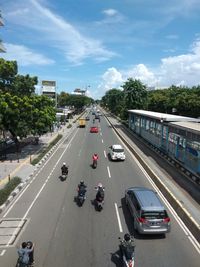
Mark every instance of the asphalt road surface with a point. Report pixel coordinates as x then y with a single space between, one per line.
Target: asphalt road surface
67 235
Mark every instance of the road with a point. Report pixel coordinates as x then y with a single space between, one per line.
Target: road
67 235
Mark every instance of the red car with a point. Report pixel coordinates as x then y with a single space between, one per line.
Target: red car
94 129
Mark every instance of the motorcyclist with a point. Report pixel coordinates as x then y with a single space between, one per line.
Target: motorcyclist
100 192
127 244
95 158
64 169
82 187
25 253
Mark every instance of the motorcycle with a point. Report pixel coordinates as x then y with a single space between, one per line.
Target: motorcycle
99 204
128 255
81 197
94 165
99 201
64 175
20 263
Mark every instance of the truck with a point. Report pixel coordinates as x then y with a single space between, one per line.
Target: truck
82 122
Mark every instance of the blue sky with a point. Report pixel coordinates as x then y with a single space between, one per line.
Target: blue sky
98 44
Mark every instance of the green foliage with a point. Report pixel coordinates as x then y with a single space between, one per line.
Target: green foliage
135 94
46 149
184 100
8 71
24 115
24 85
114 100
21 111
77 101
63 99
8 188
13 83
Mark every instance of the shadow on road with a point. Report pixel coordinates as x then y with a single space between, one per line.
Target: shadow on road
116 259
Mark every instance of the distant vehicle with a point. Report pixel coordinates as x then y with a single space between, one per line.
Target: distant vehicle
82 122
96 116
87 118
117 152
94 129
149 214
93 112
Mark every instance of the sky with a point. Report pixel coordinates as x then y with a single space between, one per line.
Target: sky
96 45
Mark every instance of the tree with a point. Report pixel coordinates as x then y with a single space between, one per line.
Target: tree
14 83
24 85
135 95
113 99
8 71
26 115
63 98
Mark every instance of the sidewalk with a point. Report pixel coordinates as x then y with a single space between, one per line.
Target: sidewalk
22 166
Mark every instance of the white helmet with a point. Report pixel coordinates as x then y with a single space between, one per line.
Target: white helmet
100 185
64 163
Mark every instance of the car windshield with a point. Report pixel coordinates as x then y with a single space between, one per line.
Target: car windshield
118 150
154 214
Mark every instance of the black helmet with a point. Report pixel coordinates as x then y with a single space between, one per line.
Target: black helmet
81 182
127 237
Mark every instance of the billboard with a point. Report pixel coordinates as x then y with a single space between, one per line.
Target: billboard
48 87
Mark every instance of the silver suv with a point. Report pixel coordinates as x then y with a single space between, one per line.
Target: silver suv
150 216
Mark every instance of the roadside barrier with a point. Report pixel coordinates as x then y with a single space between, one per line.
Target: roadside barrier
185 216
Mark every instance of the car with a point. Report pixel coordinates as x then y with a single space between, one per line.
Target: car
94 129
148 212
117 152
87 118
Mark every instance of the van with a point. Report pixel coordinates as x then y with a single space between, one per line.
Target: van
82 122
149 214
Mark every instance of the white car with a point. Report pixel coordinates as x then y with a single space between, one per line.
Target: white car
117 152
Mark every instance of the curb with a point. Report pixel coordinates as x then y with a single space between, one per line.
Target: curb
185 216
23 184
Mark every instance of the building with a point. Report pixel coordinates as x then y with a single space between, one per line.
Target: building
78 91
2 48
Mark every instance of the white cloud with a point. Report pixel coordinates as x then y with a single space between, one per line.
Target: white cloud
25 56
110 12
177 70
55 32
141 72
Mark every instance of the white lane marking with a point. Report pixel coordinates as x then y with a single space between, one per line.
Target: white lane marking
37 174
102 140
118 218
105 154
101 133
108 169
187 232
41 189
177 218
27 186
3 252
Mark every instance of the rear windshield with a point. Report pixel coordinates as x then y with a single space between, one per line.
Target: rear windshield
154 214
118 150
